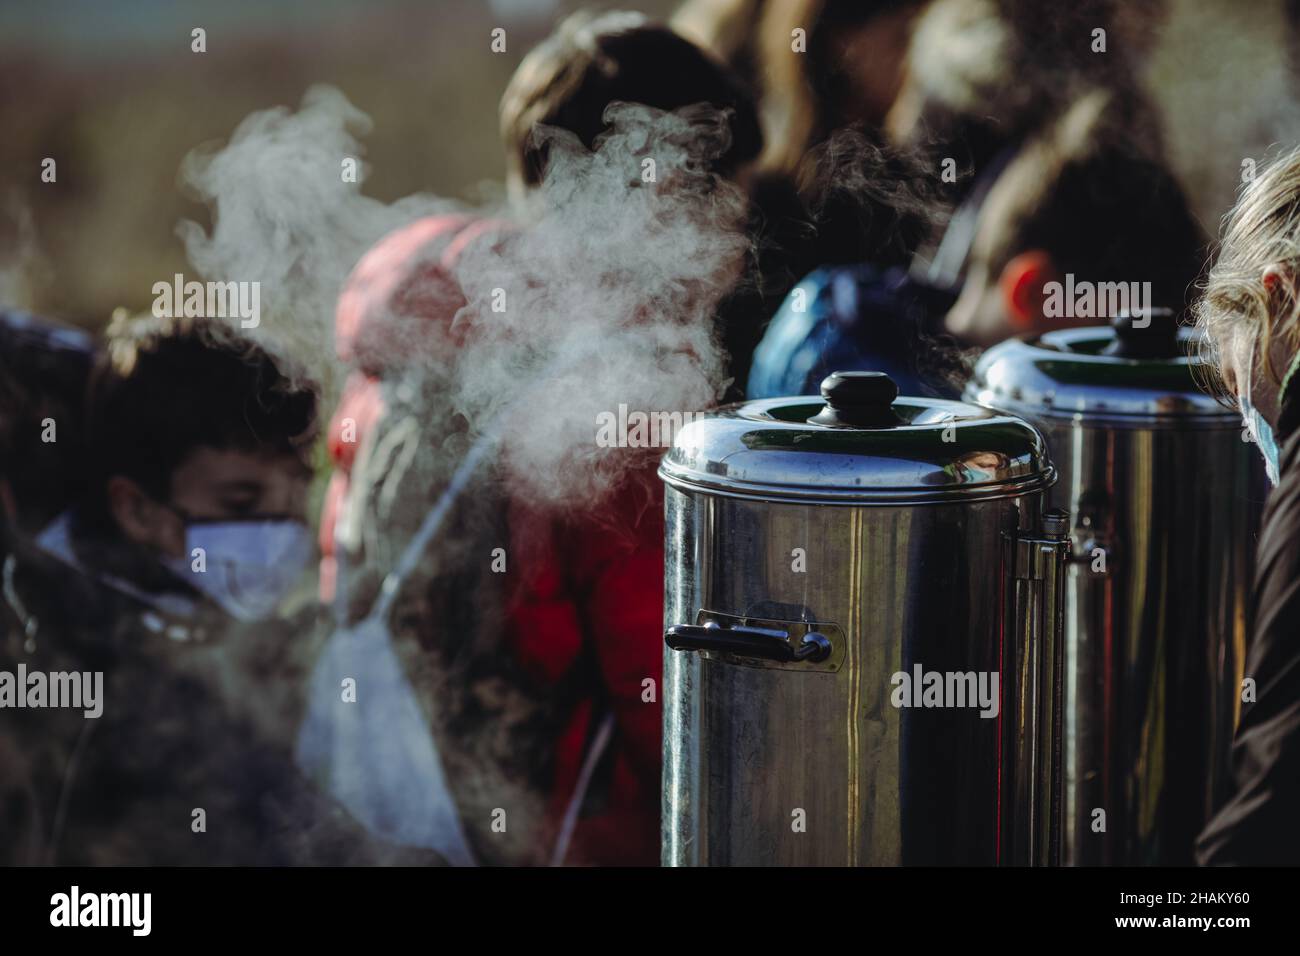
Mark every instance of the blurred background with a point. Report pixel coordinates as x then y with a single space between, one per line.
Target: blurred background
113 92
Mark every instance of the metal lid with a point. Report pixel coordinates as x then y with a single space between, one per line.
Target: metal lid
863 445
1120 375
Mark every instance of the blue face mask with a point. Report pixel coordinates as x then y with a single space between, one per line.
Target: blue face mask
1260 430
246 567
1262 434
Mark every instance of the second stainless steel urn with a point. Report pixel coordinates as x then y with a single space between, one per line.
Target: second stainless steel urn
862 625
1164 499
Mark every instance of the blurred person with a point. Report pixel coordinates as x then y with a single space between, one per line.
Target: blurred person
190 533
848 72
540 694
815 65
1074 207
198 440
592 60
1250 314
1077 202
987 86
828 189
984 75
726 29
44 367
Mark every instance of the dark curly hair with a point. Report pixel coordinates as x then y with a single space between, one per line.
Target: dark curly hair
166 386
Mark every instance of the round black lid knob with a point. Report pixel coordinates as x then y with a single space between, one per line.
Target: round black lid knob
858 400
1150 333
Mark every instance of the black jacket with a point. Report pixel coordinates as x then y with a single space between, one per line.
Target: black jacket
195 716
1260 822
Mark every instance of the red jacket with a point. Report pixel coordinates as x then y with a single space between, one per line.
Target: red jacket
593 583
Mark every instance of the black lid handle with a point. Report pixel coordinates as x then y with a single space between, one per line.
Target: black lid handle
858 400
1150 333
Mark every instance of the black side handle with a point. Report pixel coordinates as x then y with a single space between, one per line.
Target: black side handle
757 642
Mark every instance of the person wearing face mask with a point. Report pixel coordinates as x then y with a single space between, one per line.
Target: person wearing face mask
166 579
198 443
1250 313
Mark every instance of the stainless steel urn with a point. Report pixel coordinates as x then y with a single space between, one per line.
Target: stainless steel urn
861 662
1164 498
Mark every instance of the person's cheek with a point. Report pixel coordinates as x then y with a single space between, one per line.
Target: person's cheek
1238 351
301 493
285 496
170 534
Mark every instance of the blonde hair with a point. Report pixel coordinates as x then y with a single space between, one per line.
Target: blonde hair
789 105
723 27
754 37
961 53
1237 309
759 31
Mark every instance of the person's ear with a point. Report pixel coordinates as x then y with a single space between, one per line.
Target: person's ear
1021 284
142 520
1278 279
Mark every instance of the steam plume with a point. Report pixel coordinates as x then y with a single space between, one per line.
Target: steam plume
609 283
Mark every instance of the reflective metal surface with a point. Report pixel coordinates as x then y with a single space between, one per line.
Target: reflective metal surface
771 757
1033 667
1155 643
1067 372
1165 500
939 451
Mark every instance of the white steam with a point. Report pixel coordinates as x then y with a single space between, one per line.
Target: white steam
24 268
610 293
602 293
285 215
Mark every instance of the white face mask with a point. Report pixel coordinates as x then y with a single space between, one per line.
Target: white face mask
246 567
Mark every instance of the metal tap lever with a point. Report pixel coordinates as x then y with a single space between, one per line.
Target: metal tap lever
760 642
